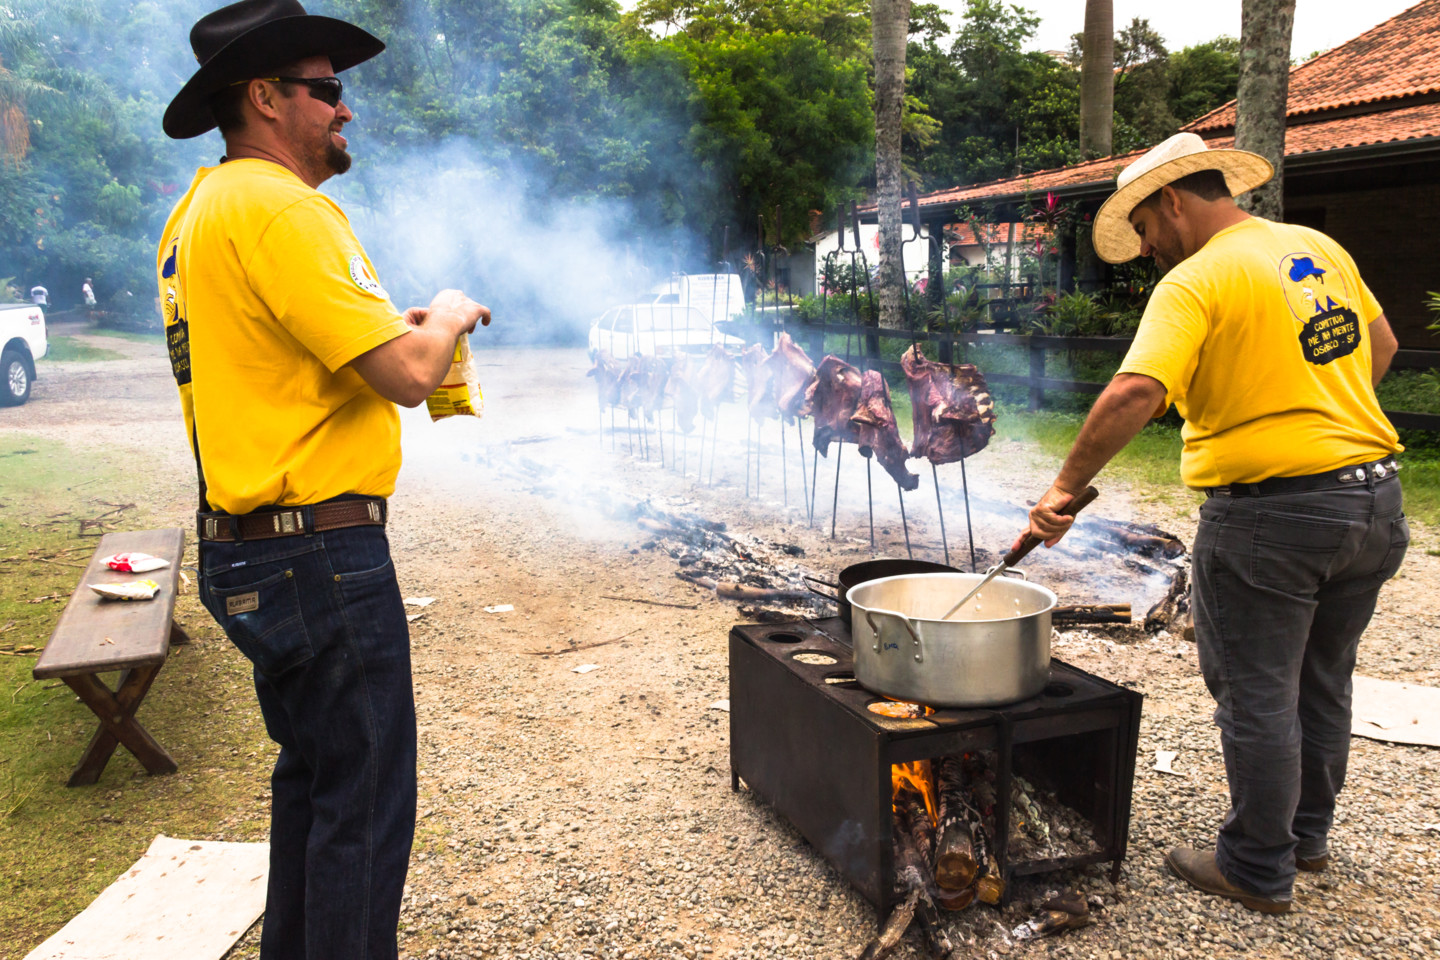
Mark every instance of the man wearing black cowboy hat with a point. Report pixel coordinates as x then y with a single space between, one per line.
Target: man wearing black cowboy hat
290 359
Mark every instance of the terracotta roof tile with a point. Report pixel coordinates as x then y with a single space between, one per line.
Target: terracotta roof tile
1403 123
1398 58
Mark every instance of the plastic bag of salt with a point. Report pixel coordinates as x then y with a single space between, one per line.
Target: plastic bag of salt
459 395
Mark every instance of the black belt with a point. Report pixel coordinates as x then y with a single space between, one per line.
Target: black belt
1382 469
292 521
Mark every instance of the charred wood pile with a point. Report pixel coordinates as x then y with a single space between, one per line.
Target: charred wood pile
944 820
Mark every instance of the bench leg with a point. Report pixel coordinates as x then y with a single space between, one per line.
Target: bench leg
116 712
178 636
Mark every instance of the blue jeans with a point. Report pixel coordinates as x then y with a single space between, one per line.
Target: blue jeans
1283 588
321 619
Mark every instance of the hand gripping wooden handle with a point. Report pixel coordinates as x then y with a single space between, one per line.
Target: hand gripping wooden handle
1086 497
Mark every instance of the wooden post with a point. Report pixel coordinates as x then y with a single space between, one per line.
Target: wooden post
1037 373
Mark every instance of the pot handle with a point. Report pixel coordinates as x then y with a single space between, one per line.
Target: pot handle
823 583
1014 572
909 628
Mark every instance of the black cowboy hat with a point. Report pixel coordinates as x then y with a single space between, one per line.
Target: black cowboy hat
245 39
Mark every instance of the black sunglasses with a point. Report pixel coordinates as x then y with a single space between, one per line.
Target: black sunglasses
327 90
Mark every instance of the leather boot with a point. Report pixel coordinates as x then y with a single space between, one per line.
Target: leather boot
1198 868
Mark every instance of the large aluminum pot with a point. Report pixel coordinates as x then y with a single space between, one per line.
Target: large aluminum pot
995 651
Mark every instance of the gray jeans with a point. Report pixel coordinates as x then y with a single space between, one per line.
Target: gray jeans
1283 587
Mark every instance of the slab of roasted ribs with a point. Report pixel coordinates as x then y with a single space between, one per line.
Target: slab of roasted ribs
631 386
792 374
654 372
759 383
832 399
715 382
607 371
876 432
680 388
953 411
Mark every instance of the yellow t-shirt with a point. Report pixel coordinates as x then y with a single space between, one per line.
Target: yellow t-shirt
1260 339
267 296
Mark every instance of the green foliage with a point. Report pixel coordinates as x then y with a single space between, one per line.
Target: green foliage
1432 303
1413 391
1000 107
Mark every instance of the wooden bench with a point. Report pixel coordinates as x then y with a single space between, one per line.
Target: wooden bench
96 636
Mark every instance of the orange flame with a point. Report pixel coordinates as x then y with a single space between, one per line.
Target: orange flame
918 778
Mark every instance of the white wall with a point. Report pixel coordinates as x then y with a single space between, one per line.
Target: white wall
916 253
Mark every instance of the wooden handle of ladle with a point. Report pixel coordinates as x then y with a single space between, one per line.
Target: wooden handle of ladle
1086 497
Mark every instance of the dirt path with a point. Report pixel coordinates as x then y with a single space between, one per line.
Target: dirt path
590 815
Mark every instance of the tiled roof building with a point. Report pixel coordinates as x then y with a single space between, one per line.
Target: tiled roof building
1362 162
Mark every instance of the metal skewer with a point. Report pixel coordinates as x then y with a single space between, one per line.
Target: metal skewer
941 508
835 503
804 479
1030 542
870 501
904 522
969 530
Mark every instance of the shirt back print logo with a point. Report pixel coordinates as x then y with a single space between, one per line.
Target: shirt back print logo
364 279
1319 299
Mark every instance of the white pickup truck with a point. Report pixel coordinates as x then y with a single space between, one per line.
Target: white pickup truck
22 342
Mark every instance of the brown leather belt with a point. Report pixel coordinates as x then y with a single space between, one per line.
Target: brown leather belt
292 521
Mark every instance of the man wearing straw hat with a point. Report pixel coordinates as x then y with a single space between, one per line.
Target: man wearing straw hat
1269 344
290 358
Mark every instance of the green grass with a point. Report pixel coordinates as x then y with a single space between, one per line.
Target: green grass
63 846
131 335
70 350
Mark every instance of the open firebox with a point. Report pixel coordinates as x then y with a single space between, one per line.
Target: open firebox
1047 782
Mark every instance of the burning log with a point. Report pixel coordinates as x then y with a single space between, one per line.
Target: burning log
792 374
742 593
1145 539
715 381
1091 613
953 411
759 383
914 844
895 927
876 431
955 865
1175 604
833 398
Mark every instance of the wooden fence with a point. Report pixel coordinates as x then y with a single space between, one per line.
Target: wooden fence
867 338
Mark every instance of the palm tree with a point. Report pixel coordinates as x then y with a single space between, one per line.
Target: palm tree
1260 99
890 31
1097 79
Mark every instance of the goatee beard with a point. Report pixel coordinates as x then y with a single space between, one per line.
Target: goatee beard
336 159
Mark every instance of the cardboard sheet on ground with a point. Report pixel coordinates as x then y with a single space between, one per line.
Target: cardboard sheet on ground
183 900
1395 712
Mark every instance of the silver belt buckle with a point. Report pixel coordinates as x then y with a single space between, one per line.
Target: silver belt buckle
374 510
212 528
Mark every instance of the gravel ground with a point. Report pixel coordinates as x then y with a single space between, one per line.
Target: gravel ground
569 815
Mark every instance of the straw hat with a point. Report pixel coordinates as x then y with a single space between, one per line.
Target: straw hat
1183 154
247 38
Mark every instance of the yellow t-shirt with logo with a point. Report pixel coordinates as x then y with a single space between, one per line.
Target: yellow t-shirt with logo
267 295
1261 342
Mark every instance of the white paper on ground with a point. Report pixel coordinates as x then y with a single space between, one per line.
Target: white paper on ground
183 900
721 705
586 668
1163 760
500 608
1395 712
419 601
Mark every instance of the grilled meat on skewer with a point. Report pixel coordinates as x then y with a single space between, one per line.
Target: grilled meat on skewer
832 399
793 373
680 388
953 411
607 371
631 386
759 383
654 372
876 432
715 382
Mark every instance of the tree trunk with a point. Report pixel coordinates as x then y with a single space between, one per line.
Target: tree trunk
1265 27
890 28
1097 79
